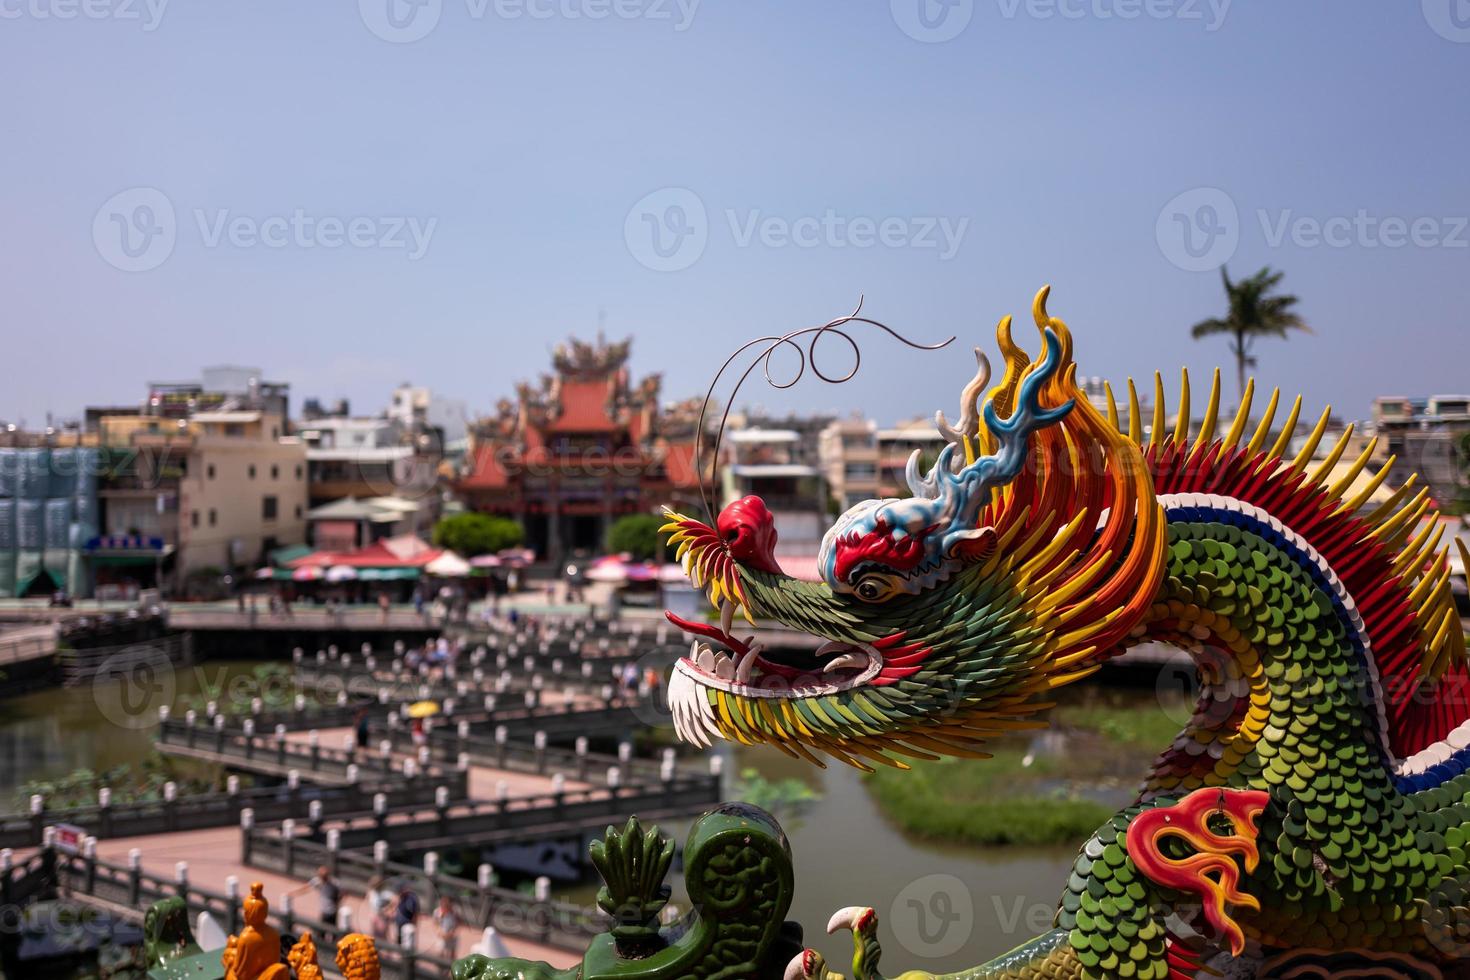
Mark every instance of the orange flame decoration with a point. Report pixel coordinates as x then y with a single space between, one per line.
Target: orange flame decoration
1188 819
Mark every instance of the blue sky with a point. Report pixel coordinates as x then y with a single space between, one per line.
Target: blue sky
352 208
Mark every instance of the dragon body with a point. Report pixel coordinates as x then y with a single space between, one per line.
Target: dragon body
1312 820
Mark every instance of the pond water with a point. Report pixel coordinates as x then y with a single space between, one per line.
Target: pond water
49 733
941 907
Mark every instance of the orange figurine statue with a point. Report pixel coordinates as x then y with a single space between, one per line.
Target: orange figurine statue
256 953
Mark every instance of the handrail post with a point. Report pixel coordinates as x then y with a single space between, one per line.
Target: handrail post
170 806
104 812
135 877
232 899
89 854
484 875
406 940
38 818
288 845
380 858
247 834
539 742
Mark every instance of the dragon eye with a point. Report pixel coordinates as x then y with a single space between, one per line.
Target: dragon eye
873 588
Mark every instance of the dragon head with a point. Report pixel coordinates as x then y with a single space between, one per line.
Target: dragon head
945 617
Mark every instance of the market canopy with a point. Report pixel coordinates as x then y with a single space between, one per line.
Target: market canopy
448 565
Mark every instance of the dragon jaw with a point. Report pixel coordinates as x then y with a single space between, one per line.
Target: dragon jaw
925 674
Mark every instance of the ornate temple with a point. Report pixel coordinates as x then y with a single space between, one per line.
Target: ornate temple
580 447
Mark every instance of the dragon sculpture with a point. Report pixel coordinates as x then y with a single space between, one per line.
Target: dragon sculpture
1311 821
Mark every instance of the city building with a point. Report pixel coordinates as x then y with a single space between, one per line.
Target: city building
848 449
1430 436
201 480
580 447
779 460
394 456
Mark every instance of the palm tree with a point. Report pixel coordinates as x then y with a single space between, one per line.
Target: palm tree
1253 312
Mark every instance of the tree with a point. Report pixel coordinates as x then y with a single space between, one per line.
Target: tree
477 534
638 535
1252 313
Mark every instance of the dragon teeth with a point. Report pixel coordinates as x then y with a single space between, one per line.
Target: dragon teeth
724 667
744 667
727 616
857 659
706 660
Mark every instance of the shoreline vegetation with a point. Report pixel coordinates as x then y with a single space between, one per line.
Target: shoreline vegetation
1052 786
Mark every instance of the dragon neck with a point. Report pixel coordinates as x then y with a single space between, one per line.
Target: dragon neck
1278 651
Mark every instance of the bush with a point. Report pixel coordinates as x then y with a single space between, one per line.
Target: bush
638 535
477 534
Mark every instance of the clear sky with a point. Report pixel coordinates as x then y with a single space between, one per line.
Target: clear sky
353 194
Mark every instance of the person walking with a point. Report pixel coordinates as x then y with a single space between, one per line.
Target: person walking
446 923
329 897
405 911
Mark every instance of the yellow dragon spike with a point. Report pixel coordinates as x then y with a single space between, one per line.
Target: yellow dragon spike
1135 415
1211 417
1242 414
1156 436
1181 419
1264 429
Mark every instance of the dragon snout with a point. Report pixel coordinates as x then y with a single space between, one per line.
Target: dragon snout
749 533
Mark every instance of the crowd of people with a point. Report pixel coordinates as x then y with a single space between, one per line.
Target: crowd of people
391 907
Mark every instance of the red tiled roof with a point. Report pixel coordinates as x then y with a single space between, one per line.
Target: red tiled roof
679 465
485 472
584 407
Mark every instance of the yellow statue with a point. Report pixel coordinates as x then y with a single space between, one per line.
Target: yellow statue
302 958
256 953
357 957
